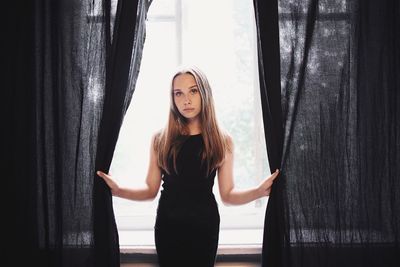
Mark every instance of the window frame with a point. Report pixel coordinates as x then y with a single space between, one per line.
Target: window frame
144 223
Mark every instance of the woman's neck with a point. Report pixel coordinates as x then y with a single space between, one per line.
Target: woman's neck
194 127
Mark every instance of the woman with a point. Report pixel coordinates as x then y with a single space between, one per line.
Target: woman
186 155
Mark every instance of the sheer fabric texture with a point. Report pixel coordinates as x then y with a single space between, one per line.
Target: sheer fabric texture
337 202
73 71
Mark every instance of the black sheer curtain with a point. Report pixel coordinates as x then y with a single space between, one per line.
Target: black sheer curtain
337 201
72 72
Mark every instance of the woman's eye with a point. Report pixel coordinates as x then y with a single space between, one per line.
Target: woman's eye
194 91
178 93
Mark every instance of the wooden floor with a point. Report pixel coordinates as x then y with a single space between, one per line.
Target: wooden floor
222 264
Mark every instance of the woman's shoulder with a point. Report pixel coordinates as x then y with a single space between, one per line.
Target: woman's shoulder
155 138
227 137
156 135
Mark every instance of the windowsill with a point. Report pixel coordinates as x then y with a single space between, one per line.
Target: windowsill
235 245
228 238
225 253
222 250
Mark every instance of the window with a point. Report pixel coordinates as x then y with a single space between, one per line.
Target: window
219 37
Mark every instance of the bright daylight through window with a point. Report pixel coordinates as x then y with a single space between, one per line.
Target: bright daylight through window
219 37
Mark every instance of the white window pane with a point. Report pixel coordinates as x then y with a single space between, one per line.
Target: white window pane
162 8
146 114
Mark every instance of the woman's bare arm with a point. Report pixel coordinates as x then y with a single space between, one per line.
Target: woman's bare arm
148 191
232 196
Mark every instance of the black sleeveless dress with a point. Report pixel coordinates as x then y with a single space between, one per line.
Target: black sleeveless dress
187 222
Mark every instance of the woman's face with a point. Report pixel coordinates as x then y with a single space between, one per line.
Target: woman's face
187 96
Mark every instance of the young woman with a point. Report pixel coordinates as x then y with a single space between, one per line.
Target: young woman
186 156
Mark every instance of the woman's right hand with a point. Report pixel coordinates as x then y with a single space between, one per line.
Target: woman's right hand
112 184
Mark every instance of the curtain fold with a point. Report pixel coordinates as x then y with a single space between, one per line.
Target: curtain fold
72 69
338 196
122 69
266 16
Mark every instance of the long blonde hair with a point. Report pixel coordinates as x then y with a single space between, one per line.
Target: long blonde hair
168 141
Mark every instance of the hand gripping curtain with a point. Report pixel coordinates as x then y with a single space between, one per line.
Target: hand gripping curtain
73 66
330 88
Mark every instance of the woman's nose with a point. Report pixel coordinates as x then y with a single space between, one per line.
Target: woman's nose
187 99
